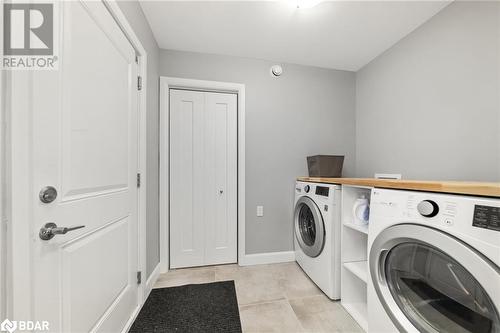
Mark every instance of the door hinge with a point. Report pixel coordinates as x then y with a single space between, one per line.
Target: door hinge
139 277
139 83
138 180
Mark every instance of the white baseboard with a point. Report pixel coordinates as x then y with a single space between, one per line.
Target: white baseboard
131 320
267 258
151 281
147 290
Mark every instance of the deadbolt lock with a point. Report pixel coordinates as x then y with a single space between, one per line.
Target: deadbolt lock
48 194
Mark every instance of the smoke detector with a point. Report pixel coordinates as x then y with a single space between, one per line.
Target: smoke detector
304 4
276 70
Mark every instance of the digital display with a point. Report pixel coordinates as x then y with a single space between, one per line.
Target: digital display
486 217
321 190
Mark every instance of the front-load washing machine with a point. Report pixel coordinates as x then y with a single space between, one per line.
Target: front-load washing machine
433 263
317 234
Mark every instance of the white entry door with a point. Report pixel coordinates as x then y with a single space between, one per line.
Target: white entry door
203 178
83 143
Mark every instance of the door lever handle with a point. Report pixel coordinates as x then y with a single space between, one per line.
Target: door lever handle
49 230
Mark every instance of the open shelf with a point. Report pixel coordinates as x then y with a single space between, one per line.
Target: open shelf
357 227
358 268
354 256
359 312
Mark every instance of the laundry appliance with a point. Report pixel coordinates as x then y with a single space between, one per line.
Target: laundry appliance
317 234
433 263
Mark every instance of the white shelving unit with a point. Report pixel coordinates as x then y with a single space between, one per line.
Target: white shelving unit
358 268
357 227
354 254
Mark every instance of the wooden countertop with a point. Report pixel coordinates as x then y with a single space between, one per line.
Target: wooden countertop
467 188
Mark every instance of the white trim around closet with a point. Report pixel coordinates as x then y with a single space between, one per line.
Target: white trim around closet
167 83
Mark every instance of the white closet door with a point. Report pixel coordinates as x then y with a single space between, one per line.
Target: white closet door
187 244
203 178
221 176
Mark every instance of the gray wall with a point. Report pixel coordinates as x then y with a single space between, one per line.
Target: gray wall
137 20
429 106
304 112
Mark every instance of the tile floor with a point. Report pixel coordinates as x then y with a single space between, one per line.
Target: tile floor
272 298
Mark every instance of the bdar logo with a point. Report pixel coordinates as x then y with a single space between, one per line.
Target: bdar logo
23 325
8 326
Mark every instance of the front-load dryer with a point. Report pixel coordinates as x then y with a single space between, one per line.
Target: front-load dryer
317 234
433 262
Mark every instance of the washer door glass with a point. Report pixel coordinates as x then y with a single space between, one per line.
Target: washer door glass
436 293
309 227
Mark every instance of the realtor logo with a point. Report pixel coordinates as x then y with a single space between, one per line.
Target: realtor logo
29 29
28 36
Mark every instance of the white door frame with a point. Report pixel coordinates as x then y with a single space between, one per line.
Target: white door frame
20 185
3 187
112 5
167 83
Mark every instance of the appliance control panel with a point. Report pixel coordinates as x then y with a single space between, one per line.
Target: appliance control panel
440 210
475 220
322 190
323 193
429 207
487 217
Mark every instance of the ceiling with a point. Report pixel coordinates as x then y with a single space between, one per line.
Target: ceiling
337 34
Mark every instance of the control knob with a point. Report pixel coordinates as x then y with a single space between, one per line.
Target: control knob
428 208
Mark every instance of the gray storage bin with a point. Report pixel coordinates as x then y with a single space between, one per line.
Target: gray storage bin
325 166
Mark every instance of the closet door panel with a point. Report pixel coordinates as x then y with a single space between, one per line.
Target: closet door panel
203 178
221 190
187 201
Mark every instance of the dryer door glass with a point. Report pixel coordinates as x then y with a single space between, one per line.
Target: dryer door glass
309 227
436 293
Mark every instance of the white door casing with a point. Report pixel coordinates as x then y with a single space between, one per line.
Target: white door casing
84 142
203 176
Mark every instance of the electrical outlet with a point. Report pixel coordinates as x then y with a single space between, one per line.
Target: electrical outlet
260 211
